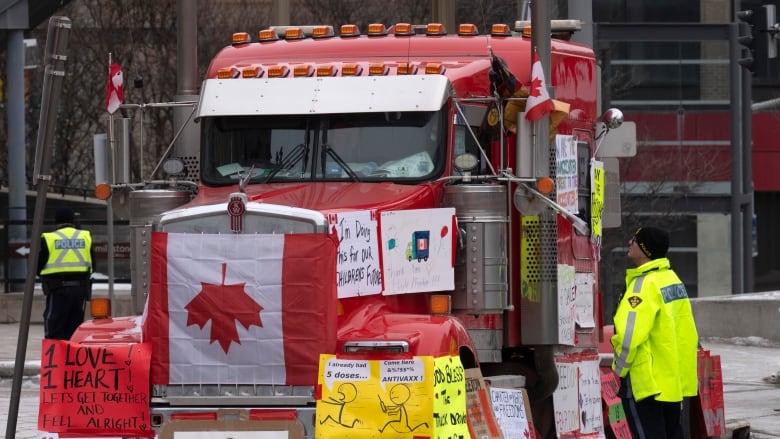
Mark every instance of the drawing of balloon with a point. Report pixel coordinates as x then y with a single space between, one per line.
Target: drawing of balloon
391 244
442 234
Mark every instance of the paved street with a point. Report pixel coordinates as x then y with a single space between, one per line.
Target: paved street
748 365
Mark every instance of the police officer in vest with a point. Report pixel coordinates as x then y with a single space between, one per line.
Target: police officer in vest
655 340
65 266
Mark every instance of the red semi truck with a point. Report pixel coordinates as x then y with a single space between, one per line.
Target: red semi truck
319 147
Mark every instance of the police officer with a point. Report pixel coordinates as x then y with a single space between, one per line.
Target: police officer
65 267
655 340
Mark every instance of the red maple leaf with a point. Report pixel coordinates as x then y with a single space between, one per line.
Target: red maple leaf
223 305
536 83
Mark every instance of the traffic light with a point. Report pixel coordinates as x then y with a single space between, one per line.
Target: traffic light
757 30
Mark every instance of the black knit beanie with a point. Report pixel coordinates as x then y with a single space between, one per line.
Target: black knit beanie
653 241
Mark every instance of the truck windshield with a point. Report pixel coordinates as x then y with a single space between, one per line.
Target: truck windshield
397 146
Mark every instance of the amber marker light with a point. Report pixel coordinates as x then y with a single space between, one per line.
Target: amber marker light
227 73
293 33
321 32
545 185
376 29
252 72
240 38
434 68
377 69
440 304
403 29
100 308
267 35
349 30
500 30
277 71
406 68
103 191
467 29
351 69
435 29
303 70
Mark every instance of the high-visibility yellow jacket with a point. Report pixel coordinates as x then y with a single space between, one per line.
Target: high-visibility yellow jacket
69 251
655 339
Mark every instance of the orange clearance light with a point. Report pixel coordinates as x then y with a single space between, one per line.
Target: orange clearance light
227 73
349 30
321 32
293 33
403 29
240 38
467 29
303 70
440 304
435 29
434 68
103 191
100 308
376 29
526 31
267 35
277 71
377 69
252 72
500 30
545 185
326 70
406 68
351 69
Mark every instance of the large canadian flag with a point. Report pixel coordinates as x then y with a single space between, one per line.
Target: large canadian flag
238 309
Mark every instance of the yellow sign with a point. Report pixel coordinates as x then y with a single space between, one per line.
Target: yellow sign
597 198
391 398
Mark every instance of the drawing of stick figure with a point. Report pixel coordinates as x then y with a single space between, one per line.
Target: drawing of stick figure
347 393
399 395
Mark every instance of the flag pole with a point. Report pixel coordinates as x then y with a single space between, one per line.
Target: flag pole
109 200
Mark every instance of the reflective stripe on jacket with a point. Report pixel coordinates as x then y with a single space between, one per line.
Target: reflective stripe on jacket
69 251
655 339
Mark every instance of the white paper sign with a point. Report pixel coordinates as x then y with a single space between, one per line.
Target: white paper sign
584 300
358 272
565 398
566 300
509 408
566 172
417 250
590 395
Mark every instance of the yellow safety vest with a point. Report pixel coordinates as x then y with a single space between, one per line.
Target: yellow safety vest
655 339
69 251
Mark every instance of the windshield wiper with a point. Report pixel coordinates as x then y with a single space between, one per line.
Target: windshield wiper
329 151
298 152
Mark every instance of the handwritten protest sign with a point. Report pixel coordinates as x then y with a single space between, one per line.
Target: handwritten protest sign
617 416
482 421
511 412
566 304
590 396
583 303
95 390
565 397
566 177
394 397
417 250
358 272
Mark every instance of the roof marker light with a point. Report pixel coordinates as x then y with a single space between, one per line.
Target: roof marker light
351 69
293 33
303 70
403 29
227 73
434 68
349 30
405 68
278 71
240 38
376 30
326 70
465 29
322 31
500 30
267 35
252 72
435 29
377 69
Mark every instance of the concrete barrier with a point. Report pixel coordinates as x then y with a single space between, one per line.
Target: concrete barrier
741 316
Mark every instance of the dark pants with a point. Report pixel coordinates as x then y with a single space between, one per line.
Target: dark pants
651 419
64 311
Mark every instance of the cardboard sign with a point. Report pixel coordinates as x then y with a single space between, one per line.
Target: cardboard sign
358 272
482 421
711 393
511 409
610 385
95 390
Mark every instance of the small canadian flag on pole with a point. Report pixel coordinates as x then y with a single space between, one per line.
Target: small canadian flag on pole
115 88
539 102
